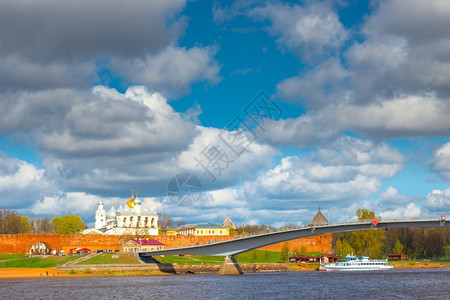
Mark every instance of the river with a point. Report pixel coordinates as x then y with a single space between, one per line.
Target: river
397 283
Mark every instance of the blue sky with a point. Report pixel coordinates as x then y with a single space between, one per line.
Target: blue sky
354 94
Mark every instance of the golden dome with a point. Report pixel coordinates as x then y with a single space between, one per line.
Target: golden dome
130 202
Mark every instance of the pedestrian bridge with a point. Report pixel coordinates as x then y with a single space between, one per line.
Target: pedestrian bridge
243 244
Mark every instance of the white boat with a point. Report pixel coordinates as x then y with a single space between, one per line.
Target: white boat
353 263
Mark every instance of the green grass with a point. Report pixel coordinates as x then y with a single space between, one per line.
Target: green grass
37 262
107 258
259 256
4 256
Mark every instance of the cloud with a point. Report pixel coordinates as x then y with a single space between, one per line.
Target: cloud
392 205
41 48
21 183
218 165
405 55
100 139
17 73
398 117
391 83
76 203
104 142
348 171
319 87
97 122
438 202
52 30
441 161
411 211
173 68
303 132
222 13
310 31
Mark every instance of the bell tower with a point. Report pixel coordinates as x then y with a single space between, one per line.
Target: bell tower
100 216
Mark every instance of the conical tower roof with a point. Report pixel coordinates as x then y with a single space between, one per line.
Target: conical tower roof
228 223
319 219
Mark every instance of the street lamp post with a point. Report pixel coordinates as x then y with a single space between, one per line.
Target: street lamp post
434 204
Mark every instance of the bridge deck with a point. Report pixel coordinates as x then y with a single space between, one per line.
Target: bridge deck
236 246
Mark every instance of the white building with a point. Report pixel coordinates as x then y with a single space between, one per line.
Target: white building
131 218
100 216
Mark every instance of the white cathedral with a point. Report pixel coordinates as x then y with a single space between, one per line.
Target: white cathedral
132 218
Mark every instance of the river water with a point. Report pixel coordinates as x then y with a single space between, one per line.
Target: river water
398 284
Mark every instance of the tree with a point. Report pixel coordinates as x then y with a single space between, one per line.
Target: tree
68 224
181 222
164 221
284 255
249 229
42 225
367 242
337 247
434 243
232 231
25 225
56 224
9 222
364 214
398 247
342 249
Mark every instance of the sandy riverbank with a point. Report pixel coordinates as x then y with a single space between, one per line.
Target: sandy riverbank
31 273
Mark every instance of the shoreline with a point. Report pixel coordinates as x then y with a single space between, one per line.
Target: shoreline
50 273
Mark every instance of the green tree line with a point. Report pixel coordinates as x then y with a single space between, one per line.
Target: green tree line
12 223
417 243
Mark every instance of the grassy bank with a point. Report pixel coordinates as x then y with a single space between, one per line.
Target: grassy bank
420 264
4 256
109 259
36 262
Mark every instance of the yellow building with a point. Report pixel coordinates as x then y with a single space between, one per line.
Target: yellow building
203 229
142 245
171 231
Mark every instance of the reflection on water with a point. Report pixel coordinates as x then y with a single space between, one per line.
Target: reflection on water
406 284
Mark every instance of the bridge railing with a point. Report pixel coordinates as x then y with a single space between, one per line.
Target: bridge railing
311 227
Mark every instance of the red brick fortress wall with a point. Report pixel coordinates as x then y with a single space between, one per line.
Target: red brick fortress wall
21 243
317 243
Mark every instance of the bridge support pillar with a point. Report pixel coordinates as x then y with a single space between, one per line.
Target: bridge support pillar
230 267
